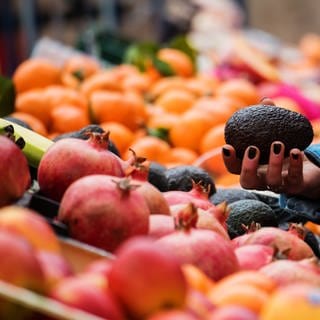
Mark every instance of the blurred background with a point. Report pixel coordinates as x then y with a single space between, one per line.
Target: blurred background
76 23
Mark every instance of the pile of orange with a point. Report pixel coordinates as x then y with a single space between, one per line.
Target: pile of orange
193 107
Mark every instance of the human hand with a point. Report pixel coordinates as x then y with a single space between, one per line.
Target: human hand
293 175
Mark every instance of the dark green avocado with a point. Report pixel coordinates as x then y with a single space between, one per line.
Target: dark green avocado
260 125
247 211
157 176
230 195
181 177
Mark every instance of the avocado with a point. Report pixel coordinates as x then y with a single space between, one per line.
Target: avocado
260 125
181 177
230 195
247 211
82 134
157 176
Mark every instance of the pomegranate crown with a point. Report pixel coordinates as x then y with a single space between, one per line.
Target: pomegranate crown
186 218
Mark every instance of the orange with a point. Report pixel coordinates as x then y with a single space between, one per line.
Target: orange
119 134
66 118
81 66
78 68
152 148
165 84
248 296
244 277
212 161
34 102
35 124
57 95
313 227
35 73
179 155
126 108
158 118
189 129
104 80
293 302
241 89
214 138
228 180
196 278
219 110
179 61
139 82
175 100
201 85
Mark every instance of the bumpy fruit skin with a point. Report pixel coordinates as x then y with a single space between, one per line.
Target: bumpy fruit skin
260 125
14 172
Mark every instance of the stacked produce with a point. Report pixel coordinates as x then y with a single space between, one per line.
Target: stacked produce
131 162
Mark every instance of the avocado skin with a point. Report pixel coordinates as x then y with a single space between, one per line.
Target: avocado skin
181 177
230 195
247 211
260 125
157 176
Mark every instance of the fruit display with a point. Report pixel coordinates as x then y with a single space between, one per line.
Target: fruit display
126 161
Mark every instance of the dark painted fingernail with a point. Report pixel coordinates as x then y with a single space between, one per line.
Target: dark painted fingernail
226 152
276 148
295 156
252 153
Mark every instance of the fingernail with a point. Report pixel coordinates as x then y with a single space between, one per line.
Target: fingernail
295 156
226 152
252 153
276 148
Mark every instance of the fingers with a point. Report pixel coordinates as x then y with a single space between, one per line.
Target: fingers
249 178
274 172
232 163
295 170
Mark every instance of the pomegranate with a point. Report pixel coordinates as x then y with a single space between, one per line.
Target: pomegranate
138 171
254 256
160 225
14 172
285 272
206 249
70 159
104 210
146 278
198 195
288 243
206 219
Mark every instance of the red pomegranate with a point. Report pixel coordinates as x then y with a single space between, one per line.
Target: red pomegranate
70 159
206 249
103 211
14 172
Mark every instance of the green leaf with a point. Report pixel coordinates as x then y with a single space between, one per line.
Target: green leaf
140 53
162 133
7 96
163 67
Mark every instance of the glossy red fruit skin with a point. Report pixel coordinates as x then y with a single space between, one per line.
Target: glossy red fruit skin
70 159
14 172
146 278
103 211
